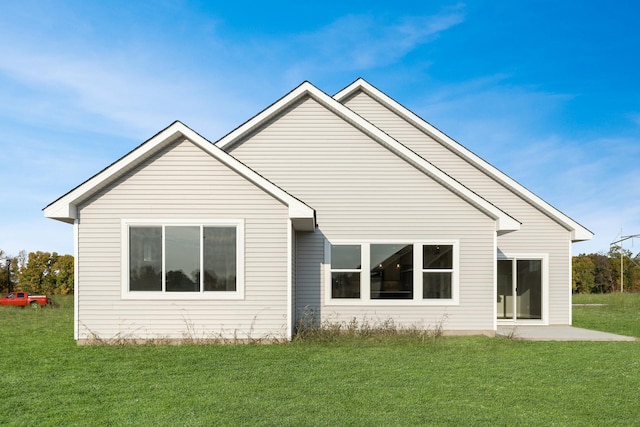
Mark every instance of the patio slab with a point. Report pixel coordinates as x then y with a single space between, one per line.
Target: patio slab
557 333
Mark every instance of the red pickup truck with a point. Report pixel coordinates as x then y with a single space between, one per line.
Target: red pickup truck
23 299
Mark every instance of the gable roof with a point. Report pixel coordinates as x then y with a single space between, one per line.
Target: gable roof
65 208
578 232
504 222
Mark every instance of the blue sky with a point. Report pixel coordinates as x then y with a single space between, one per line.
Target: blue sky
546 91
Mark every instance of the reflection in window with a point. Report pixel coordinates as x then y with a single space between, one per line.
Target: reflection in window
436 285
437 256
182 261
437 271
185 252
391 271
219 258
145 258
345 271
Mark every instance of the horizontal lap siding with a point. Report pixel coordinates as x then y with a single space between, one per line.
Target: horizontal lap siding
538 233
310 259
361 191
182 182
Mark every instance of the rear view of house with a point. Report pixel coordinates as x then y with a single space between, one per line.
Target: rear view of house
337 208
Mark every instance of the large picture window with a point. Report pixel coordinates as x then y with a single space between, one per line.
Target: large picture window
393 272
181 259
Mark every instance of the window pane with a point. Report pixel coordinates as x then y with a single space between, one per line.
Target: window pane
391 271
437 256
505 300
345 285
345 257
182 259
529 289
219 258
145 258
436 285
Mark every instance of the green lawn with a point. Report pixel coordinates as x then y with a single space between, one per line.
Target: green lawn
48 380
620 313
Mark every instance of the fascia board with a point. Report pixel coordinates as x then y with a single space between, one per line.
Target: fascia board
579 233
64 209
265 115
65 212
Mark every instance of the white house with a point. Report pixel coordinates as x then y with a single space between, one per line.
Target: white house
338 207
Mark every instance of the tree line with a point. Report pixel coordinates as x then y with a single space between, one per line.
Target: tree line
600 273
38 272
53 274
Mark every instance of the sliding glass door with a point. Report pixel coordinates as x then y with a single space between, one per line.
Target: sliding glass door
519 289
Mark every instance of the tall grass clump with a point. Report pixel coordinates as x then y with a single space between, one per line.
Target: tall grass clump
311 329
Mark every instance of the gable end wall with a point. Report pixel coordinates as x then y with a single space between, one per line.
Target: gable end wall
538 233
363 192
182 182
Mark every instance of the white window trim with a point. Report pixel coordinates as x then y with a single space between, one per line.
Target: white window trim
365 276
346 270
238 294
544 257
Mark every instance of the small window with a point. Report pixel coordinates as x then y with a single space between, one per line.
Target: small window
437 271
346 263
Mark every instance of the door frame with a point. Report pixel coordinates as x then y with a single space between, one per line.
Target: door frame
515 256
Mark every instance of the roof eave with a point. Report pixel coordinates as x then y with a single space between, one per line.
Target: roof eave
581 234
65 208
505 222
578 232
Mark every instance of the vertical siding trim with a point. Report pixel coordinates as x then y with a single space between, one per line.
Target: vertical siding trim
546 318
76 280
570 285
289 279
495 281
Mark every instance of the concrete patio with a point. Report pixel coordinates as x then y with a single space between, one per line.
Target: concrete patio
557 333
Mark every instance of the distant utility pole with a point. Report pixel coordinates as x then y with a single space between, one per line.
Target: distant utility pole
622 239
8 275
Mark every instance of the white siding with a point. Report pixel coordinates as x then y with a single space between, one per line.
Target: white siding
182 182
363 192
538 234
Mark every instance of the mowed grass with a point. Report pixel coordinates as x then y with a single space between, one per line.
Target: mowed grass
47 380
619 313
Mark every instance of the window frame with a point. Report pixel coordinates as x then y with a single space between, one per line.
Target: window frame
238 294
365 277
345 270
526 256
424 270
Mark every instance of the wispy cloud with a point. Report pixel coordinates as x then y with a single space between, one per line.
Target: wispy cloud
113 93
365 42
494 117
129 89
515 127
